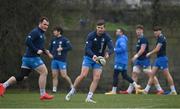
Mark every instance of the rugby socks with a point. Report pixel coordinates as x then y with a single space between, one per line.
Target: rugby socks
130 88
72 91
135 84
173 88
147 88
6 84
54 89
114 89
158 87
90 94
42 91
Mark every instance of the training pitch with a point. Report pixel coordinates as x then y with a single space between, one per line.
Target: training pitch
27 99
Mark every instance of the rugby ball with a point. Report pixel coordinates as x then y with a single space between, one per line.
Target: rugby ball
101 60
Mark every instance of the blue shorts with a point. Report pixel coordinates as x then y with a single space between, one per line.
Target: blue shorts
120 66
88 62
161 62
142 63
31 62
58 65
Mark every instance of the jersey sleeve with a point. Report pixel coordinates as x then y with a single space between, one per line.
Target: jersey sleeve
88 46
143 41
51 46
110 45
121 46
29 40
160 40
68 45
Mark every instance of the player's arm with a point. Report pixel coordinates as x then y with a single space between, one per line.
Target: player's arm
88 47
110 47
121 47
68 46
155 50
29 41
49 52
140 52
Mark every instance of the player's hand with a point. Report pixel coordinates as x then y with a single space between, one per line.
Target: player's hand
148 54
39 52
48 54
106 55
59 49
135 57
94 57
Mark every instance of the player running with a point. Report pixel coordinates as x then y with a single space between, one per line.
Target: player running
95 46
121 61
31 60
59 48
140 61
161 61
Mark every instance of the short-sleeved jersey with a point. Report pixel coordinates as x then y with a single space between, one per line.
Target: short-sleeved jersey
34 42
96 45
142 40
60 42
161 40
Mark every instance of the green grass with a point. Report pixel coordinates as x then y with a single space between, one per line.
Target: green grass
23 99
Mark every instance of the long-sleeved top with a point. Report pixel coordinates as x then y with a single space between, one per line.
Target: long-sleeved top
121 50
96 45
34 42
57 42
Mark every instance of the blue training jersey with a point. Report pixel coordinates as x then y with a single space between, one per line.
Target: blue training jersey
161 40
121 50
142 40
96 45
34 42
60 42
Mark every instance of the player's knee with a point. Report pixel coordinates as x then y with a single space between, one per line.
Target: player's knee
97 77
64 75
54 76
24 73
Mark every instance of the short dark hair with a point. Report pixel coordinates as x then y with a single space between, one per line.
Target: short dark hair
157 28
122 30
100 22
139 26
41 19
59 29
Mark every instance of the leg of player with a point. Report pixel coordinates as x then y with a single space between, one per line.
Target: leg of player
42 70
115 82
12 80
65 76
170 81
55 80
136 71
96 77
148 71
78 80
130 80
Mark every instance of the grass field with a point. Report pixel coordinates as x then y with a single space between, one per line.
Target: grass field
25 99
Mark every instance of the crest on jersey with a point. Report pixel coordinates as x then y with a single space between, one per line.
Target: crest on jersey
41 36
60 42
138 41
54 42
29 36
102 39
95 39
